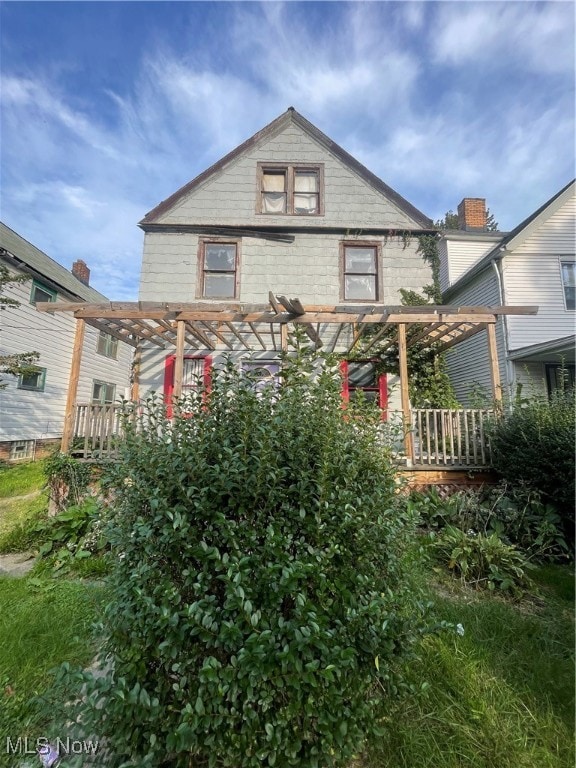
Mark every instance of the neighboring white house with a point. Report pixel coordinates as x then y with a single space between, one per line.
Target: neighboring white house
32 406
532 265
288 212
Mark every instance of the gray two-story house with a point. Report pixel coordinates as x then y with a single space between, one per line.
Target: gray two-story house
288 212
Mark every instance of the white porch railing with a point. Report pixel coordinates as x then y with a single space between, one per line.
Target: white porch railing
96 431
442 437
450 437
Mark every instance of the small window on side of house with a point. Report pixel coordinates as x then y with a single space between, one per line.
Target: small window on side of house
219 269
22 449
359 272
107 345
103 393
33 380
569 283
41 292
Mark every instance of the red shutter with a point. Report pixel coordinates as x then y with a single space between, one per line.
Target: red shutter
169 383
345 387
383 395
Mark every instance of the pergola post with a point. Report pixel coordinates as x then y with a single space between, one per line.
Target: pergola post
136 366
179 360
405 393
284 337
68 430
494 368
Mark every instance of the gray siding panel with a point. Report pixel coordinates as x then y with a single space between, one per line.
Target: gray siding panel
229 197
469 362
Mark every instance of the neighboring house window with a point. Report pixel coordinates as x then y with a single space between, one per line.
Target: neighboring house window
361 376
107 345
34 380
560 378
359 272
290 189
219 269
103 393
569 283
196 375
262 373
22 449
41 292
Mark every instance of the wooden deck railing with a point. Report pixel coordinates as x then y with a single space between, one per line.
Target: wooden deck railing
451 438
442 438
96 431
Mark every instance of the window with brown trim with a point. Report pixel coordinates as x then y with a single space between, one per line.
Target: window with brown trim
219 269
359 271
295 190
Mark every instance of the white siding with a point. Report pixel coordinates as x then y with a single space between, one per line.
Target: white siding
458 255
532 275
26 415
469 362
532 378
229 197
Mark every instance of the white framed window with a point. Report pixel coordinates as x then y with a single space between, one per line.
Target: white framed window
107 345
569 283
261 373
33 380
103 393
22 449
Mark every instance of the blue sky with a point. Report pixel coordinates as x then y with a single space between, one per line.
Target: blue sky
109 107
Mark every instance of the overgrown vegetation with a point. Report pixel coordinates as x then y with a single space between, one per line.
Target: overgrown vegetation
261 598
498 695
491 537
533 445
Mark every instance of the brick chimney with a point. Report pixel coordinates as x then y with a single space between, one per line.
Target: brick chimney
472 214
81 271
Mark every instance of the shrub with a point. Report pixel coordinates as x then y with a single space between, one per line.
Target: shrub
515 514
534 445
482 561
261 601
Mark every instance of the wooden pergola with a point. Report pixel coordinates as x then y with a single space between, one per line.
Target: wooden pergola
235 326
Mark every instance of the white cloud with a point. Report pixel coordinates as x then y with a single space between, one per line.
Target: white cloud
536 37
78 178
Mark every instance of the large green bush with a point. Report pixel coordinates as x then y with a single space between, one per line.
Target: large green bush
534 445
261 598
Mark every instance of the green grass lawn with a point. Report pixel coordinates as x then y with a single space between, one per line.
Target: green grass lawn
500 696
19 515
20 479
42 624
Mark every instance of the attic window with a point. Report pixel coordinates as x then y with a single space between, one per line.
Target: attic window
41 292
295 190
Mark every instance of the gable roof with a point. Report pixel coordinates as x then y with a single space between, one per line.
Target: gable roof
23 254
292 116
516 237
